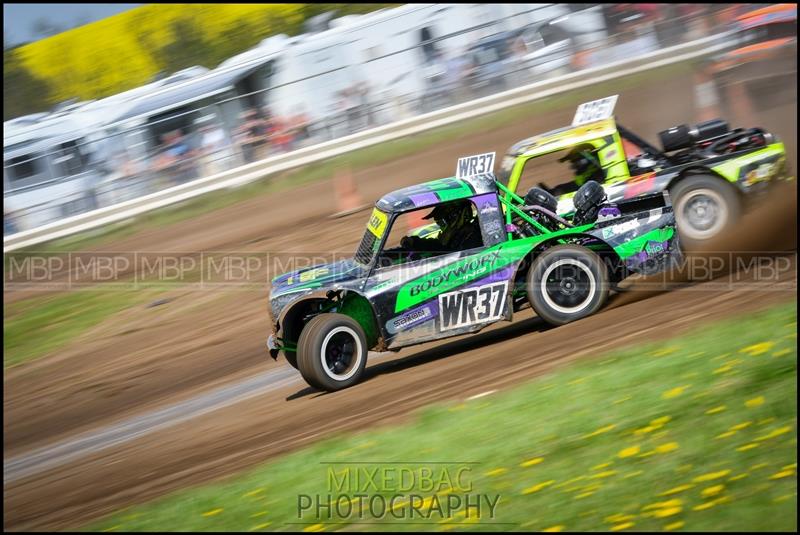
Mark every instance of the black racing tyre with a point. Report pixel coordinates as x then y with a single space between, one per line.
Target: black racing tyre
332 352
705 206
567 283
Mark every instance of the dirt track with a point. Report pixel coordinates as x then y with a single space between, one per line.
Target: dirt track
145 357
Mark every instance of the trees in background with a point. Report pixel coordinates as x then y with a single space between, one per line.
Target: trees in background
130 49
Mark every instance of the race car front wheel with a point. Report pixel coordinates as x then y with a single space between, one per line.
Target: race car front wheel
332 352
567 283
705 206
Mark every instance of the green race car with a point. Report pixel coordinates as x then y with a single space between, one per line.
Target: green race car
489 254
709 170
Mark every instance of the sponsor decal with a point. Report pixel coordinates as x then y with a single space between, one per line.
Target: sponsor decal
409 319
596 110
377 222
472 306
475 165
621 228
473 267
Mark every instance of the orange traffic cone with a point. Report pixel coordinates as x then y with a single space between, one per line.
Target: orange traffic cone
348 201
705 97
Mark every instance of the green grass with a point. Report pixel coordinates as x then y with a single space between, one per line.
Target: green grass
37 326
357 160
696 433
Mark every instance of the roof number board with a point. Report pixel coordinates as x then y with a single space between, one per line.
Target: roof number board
479 164
596 110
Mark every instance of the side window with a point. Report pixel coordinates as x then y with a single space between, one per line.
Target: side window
547 169
432 231
22 167
69 159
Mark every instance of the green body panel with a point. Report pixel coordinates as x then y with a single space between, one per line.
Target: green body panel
638 244
358 308
731 169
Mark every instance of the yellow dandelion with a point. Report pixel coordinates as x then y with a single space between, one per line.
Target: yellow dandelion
253 493
726 434
620 527
703 506
715 410
676 490
673 503
757 349
532 462
711 476
585 495
781 352
619 518
633 474
258 514
747 447
787 467
629 452
741 426
766 421
785 497
554 529
260 526
658 422
723 369
755 402
601 466
665 351
776 433
739 476
315 527
712 491
600 431
674 526
666 448
496 472
644 430
670 511
213 512
759 466
675 392
780 475
538 487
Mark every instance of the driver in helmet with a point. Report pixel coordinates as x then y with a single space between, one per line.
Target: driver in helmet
459 230
585 165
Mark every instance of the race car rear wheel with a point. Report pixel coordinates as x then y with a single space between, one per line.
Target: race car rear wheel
332 352
567 283
705 206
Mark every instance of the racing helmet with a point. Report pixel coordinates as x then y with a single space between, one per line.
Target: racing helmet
451 216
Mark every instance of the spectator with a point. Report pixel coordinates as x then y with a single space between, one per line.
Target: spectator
300 125
176 158
252 136
214 148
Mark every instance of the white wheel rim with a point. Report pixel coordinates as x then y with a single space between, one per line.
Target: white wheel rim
358 355
583 304
702 214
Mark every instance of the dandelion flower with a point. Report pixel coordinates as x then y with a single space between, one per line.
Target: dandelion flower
757 349
715 410
755 402
676 490
666 448
538 487
712 491
213 512
674 526
711 476
554 529
785 473
496 472
675 392
629 452
620 527
531 462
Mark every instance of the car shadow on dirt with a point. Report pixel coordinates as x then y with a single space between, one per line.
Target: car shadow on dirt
468 343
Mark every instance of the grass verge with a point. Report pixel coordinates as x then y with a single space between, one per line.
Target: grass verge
36 326
695 434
